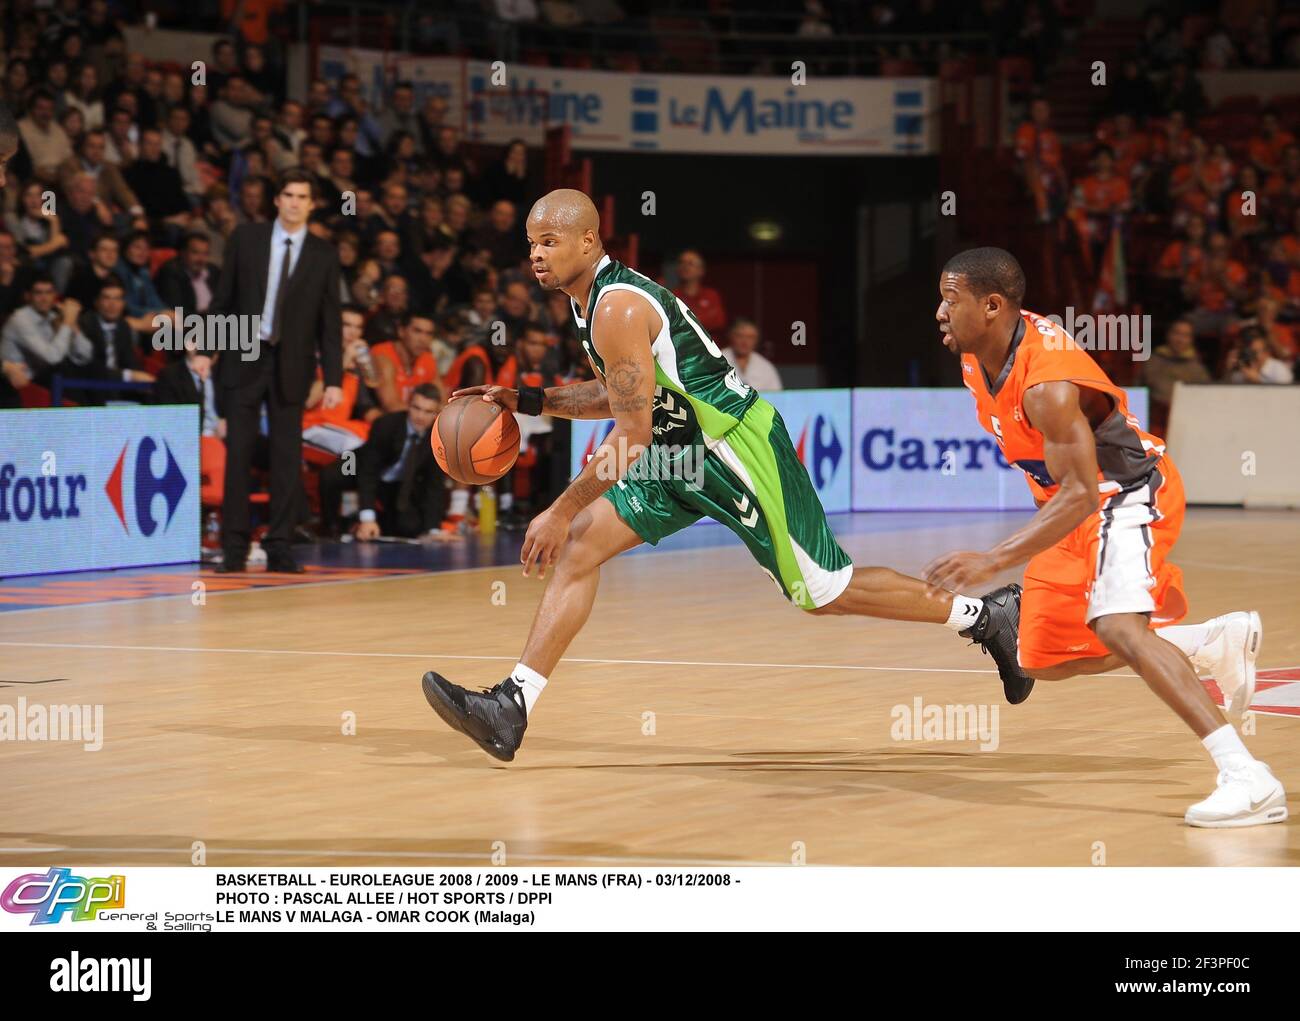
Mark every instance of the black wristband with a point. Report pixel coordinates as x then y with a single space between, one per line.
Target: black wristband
530 400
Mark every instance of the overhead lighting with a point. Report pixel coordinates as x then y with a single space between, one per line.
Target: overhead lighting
765 230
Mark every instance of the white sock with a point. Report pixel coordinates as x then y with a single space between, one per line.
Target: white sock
506 501
1225 747
459 502
964 613
530 683
1192 638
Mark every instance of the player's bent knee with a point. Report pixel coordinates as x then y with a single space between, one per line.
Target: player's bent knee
1122 633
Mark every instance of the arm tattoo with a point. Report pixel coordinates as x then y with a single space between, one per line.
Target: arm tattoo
577 400
624 378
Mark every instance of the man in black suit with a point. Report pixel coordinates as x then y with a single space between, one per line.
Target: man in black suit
189 281
116 354
395 468
290 278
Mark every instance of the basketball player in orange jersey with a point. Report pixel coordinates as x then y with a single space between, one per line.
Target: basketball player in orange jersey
1110 506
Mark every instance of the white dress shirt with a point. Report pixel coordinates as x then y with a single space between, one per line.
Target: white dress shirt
278 237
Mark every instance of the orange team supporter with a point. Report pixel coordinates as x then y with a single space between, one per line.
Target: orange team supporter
341 414
1040 143
510 376
1115 562
1103 194
451 381
1180 259
1268 151
423 370
1210 295
256 20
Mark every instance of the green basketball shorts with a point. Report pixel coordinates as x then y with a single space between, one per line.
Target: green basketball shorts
753 482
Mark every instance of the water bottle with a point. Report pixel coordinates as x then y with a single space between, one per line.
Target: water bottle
487 510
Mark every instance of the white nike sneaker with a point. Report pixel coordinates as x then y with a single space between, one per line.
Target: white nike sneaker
1230 658
1248 795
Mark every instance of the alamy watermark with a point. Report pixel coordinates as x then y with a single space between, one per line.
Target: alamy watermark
208 334
921 722
37 722
1090 332
621 461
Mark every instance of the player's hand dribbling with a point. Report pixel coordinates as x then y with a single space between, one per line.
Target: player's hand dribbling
546 535
961 570
503 395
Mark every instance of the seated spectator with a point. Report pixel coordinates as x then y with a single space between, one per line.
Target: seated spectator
1098 199
232 115
406 363
508 178
1246 213
158 184
516 309
1038 148
752 368
46 141
142 297
116 350
394 303
1281 338
190 279
1180 258
400 488
1174 361
1253 361
122 139
502 236
1283 188
40 340
345 426
1217 286
181 154
704 301
190 381
1266 148
110 186
12 276
1182 91
430 278
37 230
99 268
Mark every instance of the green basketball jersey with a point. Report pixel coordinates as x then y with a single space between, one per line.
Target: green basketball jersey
699 397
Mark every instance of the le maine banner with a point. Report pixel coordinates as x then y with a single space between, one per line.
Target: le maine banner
618 111
888 449
91 488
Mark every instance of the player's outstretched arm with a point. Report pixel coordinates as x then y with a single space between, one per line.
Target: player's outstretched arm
1056 410
588 399
622 326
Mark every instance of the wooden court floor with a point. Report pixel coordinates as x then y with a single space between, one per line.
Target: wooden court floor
700 719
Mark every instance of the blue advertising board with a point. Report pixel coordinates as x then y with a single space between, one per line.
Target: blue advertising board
91 488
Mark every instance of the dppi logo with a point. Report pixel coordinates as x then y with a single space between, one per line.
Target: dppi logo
171 484
47 898
823 450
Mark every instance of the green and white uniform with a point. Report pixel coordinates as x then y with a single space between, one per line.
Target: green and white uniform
723 452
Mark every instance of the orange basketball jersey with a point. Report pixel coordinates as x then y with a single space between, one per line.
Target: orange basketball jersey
1042 352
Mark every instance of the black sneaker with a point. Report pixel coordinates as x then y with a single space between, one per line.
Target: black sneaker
995 631
495 718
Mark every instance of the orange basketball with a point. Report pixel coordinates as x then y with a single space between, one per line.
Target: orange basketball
475 441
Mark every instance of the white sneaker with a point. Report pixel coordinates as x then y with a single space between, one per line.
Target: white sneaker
1248 795
1230 658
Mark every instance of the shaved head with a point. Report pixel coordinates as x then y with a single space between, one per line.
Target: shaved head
564 241
566 210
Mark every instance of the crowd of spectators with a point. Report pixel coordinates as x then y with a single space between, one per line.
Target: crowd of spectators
1182 210
131 176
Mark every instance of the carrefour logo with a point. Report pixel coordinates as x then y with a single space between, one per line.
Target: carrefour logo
144 486
825 450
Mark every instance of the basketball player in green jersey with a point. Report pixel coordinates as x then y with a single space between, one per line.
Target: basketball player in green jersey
689 440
